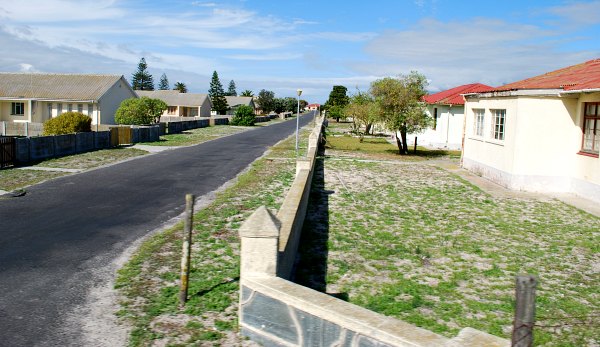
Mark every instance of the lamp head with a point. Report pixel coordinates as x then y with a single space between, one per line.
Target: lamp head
299 92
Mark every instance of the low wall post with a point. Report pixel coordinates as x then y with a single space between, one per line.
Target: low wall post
186 248
259 244
522 335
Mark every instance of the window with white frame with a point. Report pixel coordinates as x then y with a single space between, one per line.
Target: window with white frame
17 109
498 124
90 109
80 108
50 109
58 109
70 107
171 109
591 128
479 117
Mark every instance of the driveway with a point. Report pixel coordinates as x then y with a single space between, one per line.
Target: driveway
55 240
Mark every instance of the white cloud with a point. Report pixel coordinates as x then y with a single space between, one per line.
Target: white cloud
579 13
482 50
265 56
26 67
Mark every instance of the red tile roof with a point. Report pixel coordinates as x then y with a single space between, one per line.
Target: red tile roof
576 77
453 96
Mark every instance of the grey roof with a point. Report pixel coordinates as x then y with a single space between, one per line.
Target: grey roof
175 98
55 86
233 101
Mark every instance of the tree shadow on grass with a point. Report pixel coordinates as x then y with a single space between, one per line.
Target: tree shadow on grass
424 153
313 251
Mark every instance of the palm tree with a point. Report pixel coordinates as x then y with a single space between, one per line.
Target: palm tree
247 93
180 86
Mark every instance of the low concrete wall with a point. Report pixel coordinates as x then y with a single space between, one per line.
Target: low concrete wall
178 127
276 312
216 120
262 119
44 147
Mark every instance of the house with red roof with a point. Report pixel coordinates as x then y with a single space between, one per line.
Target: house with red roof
447 110
539 134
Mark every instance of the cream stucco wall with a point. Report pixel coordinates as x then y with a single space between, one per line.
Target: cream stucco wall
448 130
111 100
540 150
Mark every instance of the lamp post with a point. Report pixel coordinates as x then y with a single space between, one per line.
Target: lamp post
299 92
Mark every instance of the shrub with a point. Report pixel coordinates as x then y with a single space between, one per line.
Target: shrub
140 111
244 115
68 123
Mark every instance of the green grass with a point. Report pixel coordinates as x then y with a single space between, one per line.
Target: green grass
418 243
148 282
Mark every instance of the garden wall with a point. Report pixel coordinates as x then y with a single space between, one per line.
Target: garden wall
276 312
44 147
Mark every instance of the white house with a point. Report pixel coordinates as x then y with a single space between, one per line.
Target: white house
37 97
447 110
181 104
539 134
236 101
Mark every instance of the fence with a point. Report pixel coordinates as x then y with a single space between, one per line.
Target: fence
125 135
7 151
21 129
277 312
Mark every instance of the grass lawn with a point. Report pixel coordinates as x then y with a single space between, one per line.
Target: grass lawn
148 283
412 241
196 136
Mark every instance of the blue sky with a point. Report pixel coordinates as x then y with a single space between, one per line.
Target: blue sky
313 45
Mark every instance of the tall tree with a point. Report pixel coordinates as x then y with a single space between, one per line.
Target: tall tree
266 100
247 92
164 82
142 79
364 111
217 94
180 86
337 101
231 90
400 103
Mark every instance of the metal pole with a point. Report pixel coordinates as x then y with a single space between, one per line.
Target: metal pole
186 249
297 123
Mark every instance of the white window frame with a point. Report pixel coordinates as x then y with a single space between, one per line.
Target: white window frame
17 109
498 124
591 128
478 121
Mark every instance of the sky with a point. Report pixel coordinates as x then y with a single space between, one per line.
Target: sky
311 45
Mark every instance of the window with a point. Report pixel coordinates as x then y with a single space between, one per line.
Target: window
90 109
591 128
172 110
434 118
50 109
17 109
80 108
479 116
70 107
499 120
58 109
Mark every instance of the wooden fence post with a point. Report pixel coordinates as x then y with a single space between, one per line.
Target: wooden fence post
522 335
415 150
187 246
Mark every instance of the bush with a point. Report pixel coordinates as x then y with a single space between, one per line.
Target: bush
68 123
244 115
140 111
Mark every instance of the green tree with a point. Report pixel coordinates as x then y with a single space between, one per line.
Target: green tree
247 93
303 104
231 90
244 115
140 111
336 102
364 112
400 103
217 94
164 83
266 100
68 123
142 79
180 86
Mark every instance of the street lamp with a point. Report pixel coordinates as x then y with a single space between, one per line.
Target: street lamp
299 92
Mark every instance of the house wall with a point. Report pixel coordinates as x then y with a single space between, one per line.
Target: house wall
539 153
5 109
448 130
111 100
205 108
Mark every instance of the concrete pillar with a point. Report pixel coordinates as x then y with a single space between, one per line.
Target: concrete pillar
259 244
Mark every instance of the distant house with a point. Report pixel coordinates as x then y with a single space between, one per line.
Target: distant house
447 110
181 104
236 101
312 107
37 97
539 134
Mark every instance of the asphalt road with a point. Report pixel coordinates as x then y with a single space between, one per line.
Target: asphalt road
53 239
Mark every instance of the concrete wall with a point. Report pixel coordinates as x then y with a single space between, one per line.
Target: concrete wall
540 152
44 147
276 312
